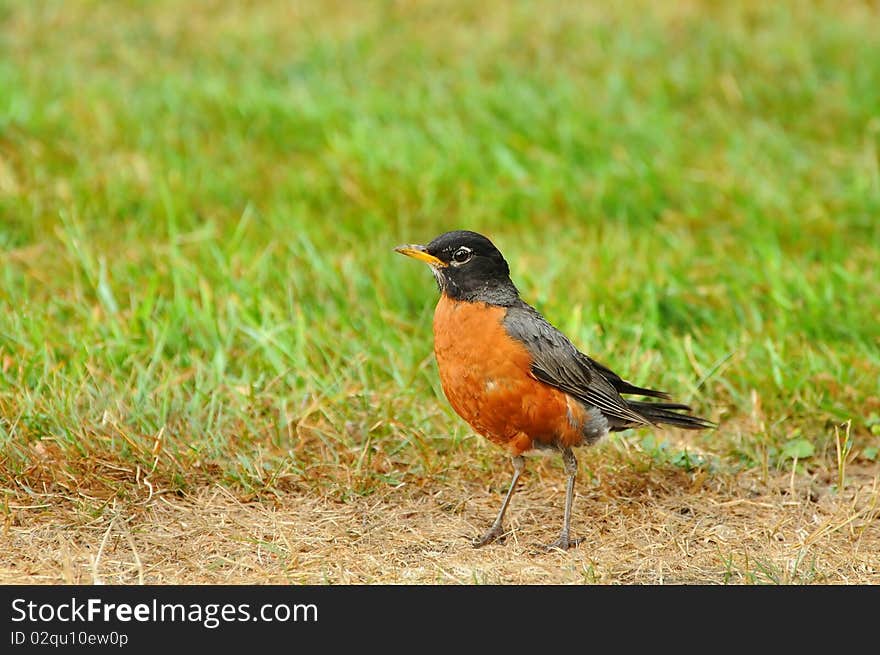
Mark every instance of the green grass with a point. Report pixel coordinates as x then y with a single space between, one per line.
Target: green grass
198 210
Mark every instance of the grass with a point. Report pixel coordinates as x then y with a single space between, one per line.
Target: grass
197 212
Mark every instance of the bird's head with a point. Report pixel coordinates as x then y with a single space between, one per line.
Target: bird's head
467 267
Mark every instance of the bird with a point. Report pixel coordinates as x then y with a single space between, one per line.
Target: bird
519 381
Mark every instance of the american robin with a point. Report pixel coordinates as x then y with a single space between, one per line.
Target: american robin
516 379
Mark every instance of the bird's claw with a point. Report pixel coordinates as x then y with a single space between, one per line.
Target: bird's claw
563 543
495 533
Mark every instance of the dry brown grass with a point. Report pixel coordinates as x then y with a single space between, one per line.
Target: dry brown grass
663 525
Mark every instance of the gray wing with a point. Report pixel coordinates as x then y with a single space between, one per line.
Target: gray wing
557 362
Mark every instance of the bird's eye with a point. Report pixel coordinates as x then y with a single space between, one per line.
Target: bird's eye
461 255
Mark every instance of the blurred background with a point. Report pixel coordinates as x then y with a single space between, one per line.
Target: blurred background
198 205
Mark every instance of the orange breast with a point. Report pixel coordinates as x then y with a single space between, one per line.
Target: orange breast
486 375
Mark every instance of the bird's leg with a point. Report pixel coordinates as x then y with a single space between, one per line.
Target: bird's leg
571 467
519 464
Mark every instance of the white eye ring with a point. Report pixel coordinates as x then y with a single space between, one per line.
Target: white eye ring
461 256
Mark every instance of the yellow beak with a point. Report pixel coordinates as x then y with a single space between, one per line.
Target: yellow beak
419 252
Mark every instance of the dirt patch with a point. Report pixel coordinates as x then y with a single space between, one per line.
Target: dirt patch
659 526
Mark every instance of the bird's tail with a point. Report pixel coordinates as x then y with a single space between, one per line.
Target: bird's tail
671 414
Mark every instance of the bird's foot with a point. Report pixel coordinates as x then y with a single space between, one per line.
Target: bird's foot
495 533
563 543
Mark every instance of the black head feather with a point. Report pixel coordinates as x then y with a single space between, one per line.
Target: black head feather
472 268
